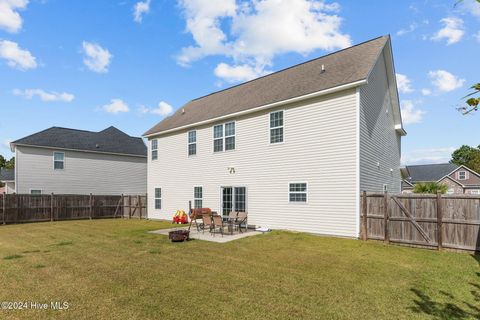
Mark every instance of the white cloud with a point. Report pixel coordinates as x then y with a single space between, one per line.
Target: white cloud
237 73
452 31
16 57
426 92
45 96
477 36
163 109
96 58
6 143
140 9
410 114
426 156
445 81
10 19
403 83
257 31
412 27
116 106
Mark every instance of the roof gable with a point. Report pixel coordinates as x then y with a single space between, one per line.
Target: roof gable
343 67
110 140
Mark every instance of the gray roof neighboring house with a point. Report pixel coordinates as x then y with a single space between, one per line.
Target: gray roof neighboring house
7 174
428 172
110 140
344 67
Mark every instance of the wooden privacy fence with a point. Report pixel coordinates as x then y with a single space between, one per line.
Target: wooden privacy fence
21 208
434 221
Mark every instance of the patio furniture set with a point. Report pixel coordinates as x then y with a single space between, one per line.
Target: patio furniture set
205 219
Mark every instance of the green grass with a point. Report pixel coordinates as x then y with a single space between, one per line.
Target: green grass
114 269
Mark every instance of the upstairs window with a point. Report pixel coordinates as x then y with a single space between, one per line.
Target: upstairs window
192 143
224 137
198 197
58 160
298 192
158 198
462 175
154 149
276 127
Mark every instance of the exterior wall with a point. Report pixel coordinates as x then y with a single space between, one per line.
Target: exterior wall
457 189
9 187
380 144
320 148
472 179
84 172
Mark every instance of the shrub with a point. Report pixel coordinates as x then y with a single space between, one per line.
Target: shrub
430 187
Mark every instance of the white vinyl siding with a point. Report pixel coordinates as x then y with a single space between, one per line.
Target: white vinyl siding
380 145
321 149
84 173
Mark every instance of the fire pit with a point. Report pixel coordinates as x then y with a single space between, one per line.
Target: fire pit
178 235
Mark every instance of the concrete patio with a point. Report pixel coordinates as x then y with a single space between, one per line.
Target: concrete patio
207 236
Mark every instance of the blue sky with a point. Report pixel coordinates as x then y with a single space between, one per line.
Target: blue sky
92 64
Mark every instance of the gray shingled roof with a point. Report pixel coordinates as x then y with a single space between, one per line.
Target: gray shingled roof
342 67
429 172
7 174
110 140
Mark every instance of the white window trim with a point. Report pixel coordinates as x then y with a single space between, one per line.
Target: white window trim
220 199
189 143
224 136
36 189
270 128
53 155
197 198
155 198
306 193
151 151
466 175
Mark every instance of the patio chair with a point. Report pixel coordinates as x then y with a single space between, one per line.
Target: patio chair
242 219
231 219
197 214
217 224
207 222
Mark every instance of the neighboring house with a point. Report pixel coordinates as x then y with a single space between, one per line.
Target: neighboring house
294 148
7 177
69 161
459 179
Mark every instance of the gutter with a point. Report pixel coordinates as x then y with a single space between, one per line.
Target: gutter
264 107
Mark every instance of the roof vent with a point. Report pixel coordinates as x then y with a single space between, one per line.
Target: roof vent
97 146
323 68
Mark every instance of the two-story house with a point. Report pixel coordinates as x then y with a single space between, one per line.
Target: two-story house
294 148
69 161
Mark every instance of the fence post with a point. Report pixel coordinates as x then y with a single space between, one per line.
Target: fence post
439 221
90 209
139 207
16 206
386 218
4 208
364 209
129 207
51 207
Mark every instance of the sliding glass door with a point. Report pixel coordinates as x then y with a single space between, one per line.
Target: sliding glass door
233 199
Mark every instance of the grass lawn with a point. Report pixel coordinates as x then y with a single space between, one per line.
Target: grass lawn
113 269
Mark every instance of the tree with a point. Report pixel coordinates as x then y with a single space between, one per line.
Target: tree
467 156
10 164
430 187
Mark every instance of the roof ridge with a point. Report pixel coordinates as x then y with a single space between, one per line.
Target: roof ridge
430 164
290 67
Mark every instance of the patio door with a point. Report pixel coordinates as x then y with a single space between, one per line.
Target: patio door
233 199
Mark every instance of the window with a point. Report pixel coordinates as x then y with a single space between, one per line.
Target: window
154 149
451 191
158 198
462 175
197 197
276 127
298 192
385 188
224 135
35 191
58 160
192 143
475 192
